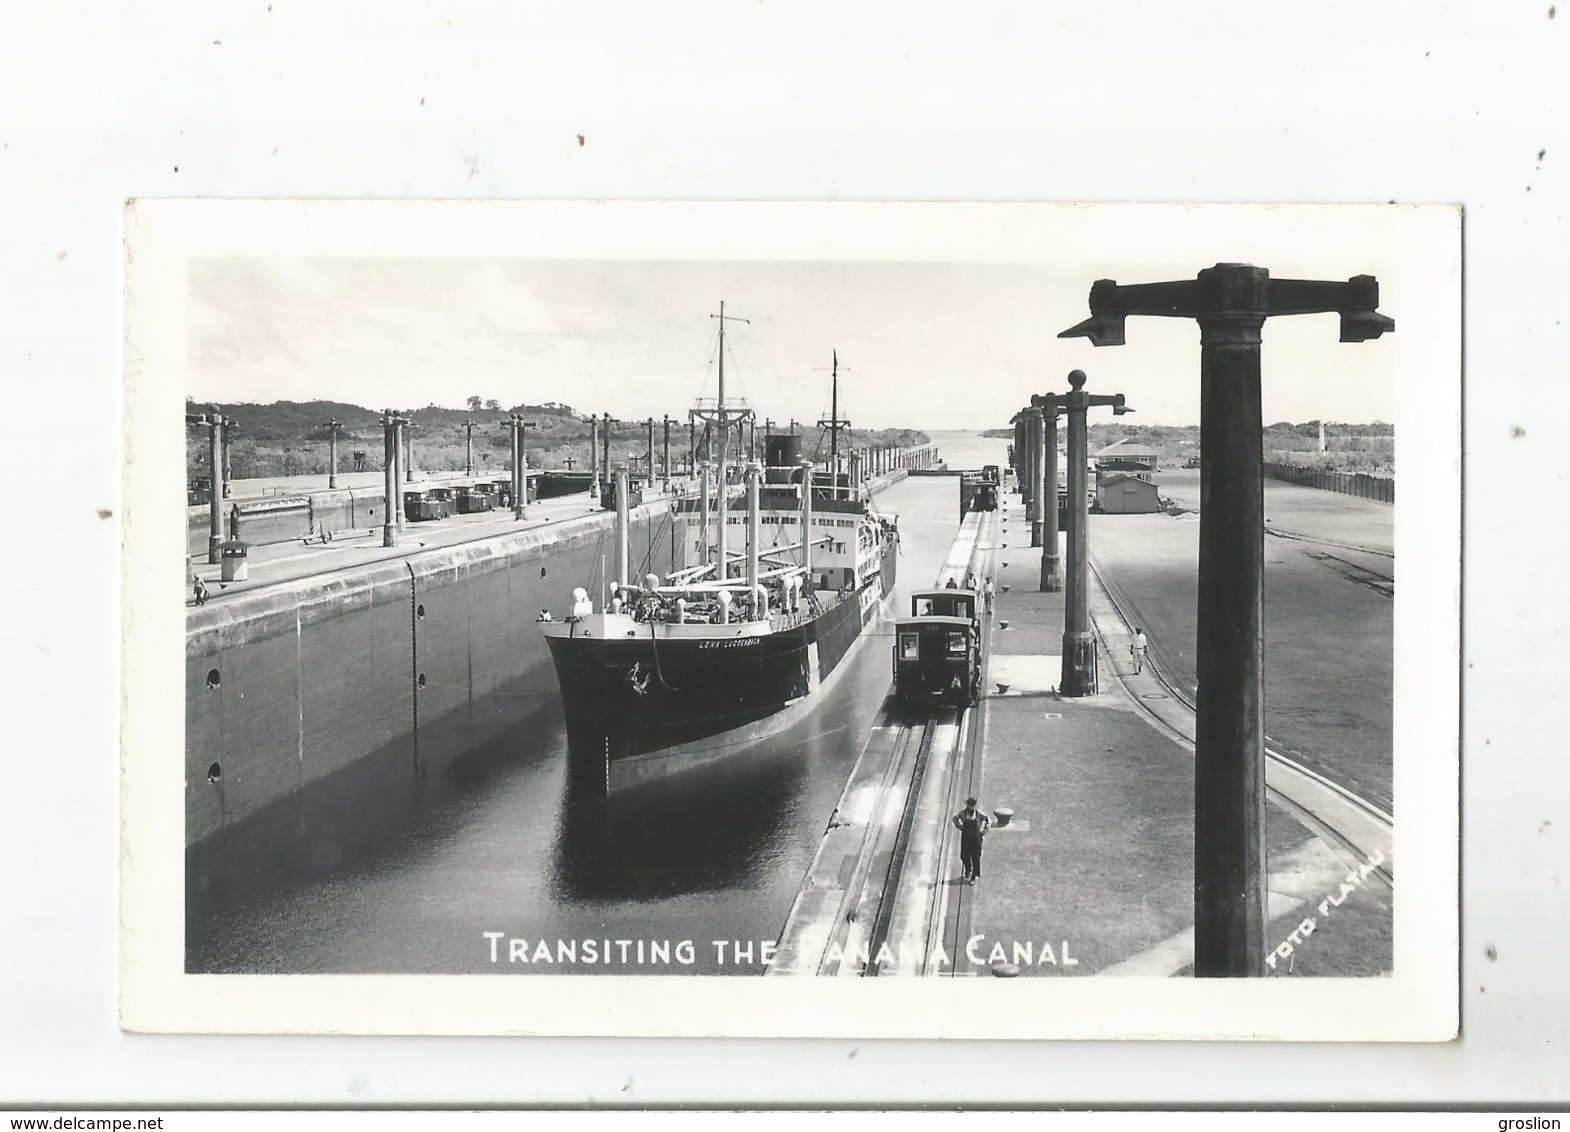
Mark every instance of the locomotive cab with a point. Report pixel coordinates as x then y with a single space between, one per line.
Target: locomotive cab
945 603
937 659
937 649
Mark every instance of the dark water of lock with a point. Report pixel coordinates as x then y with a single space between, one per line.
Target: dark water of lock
373 871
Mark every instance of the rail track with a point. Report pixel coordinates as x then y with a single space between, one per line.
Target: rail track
1299 536
876 901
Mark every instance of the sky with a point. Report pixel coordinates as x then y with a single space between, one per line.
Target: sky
922 345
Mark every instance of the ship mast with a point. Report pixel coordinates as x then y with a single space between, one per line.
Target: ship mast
834 424
721 418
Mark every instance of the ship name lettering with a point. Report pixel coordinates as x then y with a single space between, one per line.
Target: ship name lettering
731 643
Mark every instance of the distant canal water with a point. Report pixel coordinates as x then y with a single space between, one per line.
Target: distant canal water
970 449
369 871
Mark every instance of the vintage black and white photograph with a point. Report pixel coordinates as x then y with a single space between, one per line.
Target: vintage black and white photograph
574 606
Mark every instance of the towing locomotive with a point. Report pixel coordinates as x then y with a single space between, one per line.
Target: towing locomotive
978 491
937 649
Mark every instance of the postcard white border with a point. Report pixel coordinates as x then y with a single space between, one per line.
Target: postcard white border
1421 246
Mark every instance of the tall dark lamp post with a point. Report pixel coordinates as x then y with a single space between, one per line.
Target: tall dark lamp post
1079 643
1231 302
1046 404
216 423
392 488
665 464
333 426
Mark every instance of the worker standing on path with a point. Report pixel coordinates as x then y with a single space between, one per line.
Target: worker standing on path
199 588
1137 649
972 825
987 592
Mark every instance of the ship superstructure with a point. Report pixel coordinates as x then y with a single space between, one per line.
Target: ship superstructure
674 672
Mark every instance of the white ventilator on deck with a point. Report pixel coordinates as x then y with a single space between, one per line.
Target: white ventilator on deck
703 508
720 501
806 521
623 537
754 524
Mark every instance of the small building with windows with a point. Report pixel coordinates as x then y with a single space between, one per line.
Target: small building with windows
1128 456
1119 493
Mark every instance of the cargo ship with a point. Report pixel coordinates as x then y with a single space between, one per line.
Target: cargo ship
668 674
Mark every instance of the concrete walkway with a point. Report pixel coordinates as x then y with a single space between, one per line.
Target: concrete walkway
300 558
1094 875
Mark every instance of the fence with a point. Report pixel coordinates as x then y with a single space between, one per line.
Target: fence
1359 484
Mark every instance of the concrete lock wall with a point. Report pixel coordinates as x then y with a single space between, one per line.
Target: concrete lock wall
287 685
342 510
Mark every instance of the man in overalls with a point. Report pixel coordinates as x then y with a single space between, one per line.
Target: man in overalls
972 825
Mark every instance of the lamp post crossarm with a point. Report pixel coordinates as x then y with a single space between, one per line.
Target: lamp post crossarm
1233 289
1355 301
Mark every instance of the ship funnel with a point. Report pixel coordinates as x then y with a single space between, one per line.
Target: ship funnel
782 451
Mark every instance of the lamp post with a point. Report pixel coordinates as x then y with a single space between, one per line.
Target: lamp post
333 426
1017 455
1046 406
468 448
1033 496
408 448
514 446
1041 496
1079 643
214 421
648 467
665 465
1231 302
400 431
226 427
606 421
523 466
520 463
392 491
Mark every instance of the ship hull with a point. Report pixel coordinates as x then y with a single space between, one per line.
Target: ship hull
641 708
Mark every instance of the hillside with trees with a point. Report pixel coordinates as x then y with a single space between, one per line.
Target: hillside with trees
287 438
1369 448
